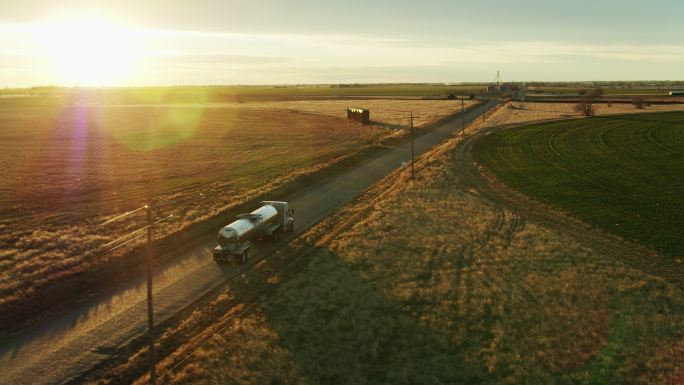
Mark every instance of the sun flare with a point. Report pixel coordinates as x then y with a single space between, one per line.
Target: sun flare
90 51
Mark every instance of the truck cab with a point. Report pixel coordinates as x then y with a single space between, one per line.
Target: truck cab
266 222
285 214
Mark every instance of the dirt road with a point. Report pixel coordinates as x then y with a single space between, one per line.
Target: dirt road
61 349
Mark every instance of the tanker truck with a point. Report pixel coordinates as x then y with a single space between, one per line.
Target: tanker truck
266 222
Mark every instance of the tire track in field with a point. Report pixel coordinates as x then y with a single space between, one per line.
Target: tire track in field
522 209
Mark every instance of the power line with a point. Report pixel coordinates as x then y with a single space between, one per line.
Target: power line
136 231
124 215
150 308
179 363
122 237
150 254
127 242
150 297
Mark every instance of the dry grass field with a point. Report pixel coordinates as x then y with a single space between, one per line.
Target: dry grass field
384 111
219 94
72 164
426 282
527 112
67 169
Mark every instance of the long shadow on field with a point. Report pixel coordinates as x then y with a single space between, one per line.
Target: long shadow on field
341 330
115 313
389 125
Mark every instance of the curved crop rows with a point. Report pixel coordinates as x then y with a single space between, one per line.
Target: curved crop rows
622 173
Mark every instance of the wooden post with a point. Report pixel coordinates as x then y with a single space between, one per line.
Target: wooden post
462 116
150 307
413 173
483 109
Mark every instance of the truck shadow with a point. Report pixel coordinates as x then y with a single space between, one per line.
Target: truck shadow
126 302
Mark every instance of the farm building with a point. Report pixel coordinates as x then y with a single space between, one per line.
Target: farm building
358 114
492 88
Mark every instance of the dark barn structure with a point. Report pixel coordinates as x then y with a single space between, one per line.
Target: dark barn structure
358 114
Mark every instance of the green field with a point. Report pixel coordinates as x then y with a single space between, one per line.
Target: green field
621 173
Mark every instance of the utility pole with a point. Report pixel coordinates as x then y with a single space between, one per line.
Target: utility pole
498 83
128 238
413 172
462 116
483 108
150 308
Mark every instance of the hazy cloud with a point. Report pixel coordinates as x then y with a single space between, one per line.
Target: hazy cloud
216 58
239 57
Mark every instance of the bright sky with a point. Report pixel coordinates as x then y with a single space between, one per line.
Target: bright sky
169 42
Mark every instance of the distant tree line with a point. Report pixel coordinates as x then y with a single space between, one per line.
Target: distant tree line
611 84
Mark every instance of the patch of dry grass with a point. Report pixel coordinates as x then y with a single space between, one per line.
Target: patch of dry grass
524 112
383 111
257 358
386 111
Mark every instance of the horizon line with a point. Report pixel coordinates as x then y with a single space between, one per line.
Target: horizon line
360 84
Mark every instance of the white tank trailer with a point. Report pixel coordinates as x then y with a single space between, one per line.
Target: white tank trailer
266 222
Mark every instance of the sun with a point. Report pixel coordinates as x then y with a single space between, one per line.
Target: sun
90 51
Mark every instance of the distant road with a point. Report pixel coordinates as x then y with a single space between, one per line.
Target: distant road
60 350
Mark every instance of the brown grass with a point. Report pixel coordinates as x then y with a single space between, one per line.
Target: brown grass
68 169
385 111
666 365
73 164
258 348
391 112
523 112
